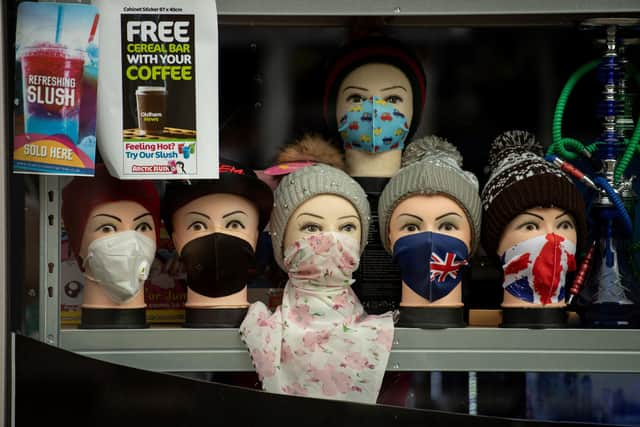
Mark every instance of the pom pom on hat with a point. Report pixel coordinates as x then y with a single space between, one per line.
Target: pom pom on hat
430 147
510 143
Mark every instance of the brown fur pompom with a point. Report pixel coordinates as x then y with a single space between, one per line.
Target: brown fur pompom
312 148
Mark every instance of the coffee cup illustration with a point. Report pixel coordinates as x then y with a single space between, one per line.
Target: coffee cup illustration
151 102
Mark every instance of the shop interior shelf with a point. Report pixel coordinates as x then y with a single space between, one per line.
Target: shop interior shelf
466 349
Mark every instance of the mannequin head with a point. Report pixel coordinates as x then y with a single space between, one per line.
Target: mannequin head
534 218
537 222
214 226
314 199
522 181
430 184
115 217
374 96
435 213
429 221
384 81
392 59
96 207
215 213
323 213
109 221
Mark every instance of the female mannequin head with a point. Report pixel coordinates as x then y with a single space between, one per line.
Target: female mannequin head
534 216
317 199
374 95
214 225
430 210
113 228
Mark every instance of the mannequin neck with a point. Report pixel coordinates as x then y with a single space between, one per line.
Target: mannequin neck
361 163
237 300
94 296
412 299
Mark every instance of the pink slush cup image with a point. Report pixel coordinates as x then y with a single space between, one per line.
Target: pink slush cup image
52 89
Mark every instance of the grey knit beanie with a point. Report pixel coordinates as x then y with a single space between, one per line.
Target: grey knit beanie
430 166
302 185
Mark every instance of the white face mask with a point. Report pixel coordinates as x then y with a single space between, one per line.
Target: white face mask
120 263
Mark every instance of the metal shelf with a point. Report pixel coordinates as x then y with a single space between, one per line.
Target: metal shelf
466 349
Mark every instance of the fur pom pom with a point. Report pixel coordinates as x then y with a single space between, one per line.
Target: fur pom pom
430 147
510 142
312 148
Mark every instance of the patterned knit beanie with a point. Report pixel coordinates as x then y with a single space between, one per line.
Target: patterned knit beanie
521 179
431 166
303 184
369 50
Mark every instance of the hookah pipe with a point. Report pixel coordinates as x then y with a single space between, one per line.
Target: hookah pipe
609 183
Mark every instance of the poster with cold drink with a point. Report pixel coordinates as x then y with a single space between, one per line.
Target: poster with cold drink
158 92
56 88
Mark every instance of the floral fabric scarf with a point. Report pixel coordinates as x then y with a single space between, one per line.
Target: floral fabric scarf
320 342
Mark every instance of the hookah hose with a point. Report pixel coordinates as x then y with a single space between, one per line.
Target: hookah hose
559 143
632 147
615 199
597 182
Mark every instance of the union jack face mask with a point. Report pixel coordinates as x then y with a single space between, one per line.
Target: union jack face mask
431 263
535 269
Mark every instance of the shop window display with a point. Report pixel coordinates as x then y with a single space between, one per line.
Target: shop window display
475 100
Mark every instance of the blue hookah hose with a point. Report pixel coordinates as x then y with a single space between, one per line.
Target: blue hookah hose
617 202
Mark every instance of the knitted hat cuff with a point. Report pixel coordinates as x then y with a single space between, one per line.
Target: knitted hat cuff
426 178
536 191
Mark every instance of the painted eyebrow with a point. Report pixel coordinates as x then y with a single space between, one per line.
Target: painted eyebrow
532 214
107 215
394 87
562 214
199 213
447 214
235 212
348 216
355 87
411 215
310 214
141 216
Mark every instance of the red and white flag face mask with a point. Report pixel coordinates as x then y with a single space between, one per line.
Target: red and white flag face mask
535 270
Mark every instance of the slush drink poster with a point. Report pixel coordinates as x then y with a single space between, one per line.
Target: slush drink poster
56 86
158 108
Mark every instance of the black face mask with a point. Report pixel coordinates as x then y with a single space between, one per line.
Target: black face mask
218 264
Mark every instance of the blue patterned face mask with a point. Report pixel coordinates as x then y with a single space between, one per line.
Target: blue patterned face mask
374 125
430 263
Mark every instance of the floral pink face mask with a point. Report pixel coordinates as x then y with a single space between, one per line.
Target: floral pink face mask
322 260
320 342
